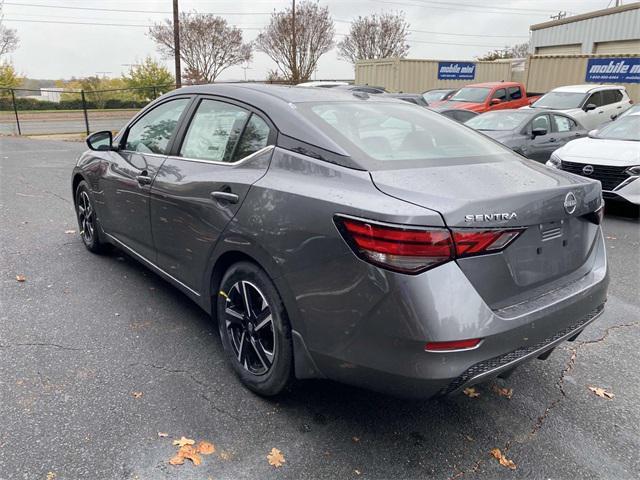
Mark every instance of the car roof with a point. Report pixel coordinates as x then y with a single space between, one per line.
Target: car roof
494 84
586 88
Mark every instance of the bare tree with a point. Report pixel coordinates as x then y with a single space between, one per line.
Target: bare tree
296 48
8 37
377 36
520 50
208 45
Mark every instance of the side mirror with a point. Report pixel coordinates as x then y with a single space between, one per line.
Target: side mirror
538 132
495 101
100 141
593 133
589 106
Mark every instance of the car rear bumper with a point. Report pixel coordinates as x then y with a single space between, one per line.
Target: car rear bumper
384 349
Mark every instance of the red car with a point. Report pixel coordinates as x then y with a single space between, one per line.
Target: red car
482 97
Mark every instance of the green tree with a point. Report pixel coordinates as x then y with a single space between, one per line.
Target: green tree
8 76
147 74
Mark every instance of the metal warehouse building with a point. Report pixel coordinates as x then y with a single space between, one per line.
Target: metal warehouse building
604 32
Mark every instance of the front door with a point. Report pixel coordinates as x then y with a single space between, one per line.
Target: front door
130 173
541 147
201 186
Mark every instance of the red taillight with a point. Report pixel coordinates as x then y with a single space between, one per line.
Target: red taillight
416 249
408 250
473 242
452 345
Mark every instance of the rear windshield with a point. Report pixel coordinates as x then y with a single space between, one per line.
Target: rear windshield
434 95
471 94
560 100
498 120
390 133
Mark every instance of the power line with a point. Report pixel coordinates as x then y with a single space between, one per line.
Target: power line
496 7
121 10
455 8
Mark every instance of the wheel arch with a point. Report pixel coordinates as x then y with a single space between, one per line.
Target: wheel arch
77 178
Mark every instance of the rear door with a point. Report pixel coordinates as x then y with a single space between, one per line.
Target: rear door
219 154
593 118
612 103
565 129
127 178
500 94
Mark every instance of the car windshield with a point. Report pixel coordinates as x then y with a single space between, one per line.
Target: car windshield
633 110
498 120
471 94
387 132
560 100
627 128
434 95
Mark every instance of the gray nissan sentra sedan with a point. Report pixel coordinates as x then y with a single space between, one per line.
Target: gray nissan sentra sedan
346 236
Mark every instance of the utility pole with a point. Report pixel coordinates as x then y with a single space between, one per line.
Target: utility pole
294 72
176 42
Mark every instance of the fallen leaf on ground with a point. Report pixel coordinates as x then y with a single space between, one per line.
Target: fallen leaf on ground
177 460
20 278
69 232
275 458
469 438
503 392
162 434
357 472
225 456
602 393
188 451
184 441
205 448
471 392
136 394
504 461
51 475
355 439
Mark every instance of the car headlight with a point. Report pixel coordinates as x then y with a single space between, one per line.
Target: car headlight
633 170
554 161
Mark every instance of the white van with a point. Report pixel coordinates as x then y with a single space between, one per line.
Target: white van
591 105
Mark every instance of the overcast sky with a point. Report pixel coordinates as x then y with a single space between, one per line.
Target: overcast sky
450 30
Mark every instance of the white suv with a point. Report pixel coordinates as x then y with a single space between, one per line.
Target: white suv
591 105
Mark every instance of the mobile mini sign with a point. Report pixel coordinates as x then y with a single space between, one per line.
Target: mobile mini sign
456 70
618 70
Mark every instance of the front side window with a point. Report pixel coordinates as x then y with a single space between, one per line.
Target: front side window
500 94
541 121
596 99
214 131
388 132
152 132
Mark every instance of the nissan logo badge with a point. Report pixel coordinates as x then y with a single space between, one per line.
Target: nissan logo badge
570 203
587 169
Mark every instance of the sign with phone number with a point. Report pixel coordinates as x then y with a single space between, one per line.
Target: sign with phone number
456 70
613 70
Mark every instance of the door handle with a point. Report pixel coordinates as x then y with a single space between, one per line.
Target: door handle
226 196
552 139
143 180
619 106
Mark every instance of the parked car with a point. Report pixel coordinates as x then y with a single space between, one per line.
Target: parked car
633 110
435 96
610 155
591 105
350 237
414 98
322 84
534 134
458 115
362 88
483 97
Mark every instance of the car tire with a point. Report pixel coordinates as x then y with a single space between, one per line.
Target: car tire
88 224
257 338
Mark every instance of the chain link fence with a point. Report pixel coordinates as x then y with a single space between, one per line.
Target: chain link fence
50 111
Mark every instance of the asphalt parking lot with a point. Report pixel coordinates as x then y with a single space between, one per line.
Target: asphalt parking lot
98 355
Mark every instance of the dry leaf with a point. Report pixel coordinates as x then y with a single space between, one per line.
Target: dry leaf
162 434
205 448
177 460
471 392
136 394
469 438
20 278
503 392
355 439
357 472
504 461
276 458
184 441
51 475
602 393
225 456
188 451
69 232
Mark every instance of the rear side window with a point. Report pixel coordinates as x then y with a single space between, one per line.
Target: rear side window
515 93
254 137
384 133
152 132
563 124
214 131
611 96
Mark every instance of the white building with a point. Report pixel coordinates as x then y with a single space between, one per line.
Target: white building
610 31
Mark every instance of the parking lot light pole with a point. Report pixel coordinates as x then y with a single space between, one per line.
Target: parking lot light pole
176 43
